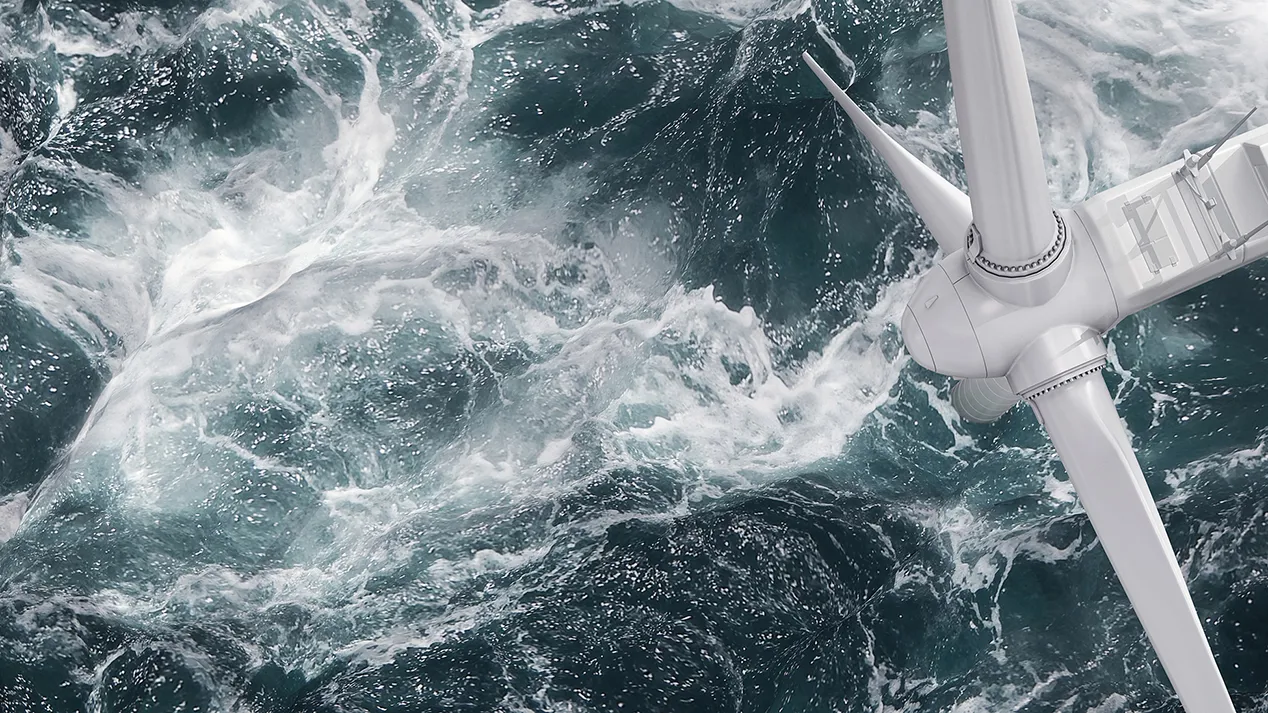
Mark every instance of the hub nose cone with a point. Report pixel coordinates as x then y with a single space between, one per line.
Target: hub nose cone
937 330
914 339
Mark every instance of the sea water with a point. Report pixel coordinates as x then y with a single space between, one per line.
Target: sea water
383 355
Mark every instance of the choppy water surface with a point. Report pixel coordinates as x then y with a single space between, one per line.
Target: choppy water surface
541 356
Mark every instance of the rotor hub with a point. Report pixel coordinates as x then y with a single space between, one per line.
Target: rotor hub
958 324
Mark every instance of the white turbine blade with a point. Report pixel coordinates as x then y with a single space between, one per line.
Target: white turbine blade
1082 423
944 208
1184 224
998 132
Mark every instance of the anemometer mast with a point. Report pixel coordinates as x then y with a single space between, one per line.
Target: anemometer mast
1018 307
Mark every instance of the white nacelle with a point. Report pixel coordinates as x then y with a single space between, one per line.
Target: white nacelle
1128 248
1159 239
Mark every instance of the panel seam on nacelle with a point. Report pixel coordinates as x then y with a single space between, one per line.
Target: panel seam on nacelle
968 319
921 330
1118 310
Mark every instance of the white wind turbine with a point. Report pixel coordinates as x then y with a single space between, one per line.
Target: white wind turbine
1017 308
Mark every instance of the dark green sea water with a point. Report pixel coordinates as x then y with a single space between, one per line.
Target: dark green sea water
382 355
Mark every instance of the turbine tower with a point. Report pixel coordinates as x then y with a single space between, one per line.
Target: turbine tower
1017 308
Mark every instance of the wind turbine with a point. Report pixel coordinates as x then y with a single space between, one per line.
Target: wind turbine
1017 307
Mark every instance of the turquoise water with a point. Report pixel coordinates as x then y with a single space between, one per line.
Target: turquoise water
542 356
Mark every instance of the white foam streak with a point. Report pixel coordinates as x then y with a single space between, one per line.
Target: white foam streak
12 508
1186 70
775 421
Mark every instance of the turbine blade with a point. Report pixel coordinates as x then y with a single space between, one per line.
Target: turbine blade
998 132
943 207
1082 423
